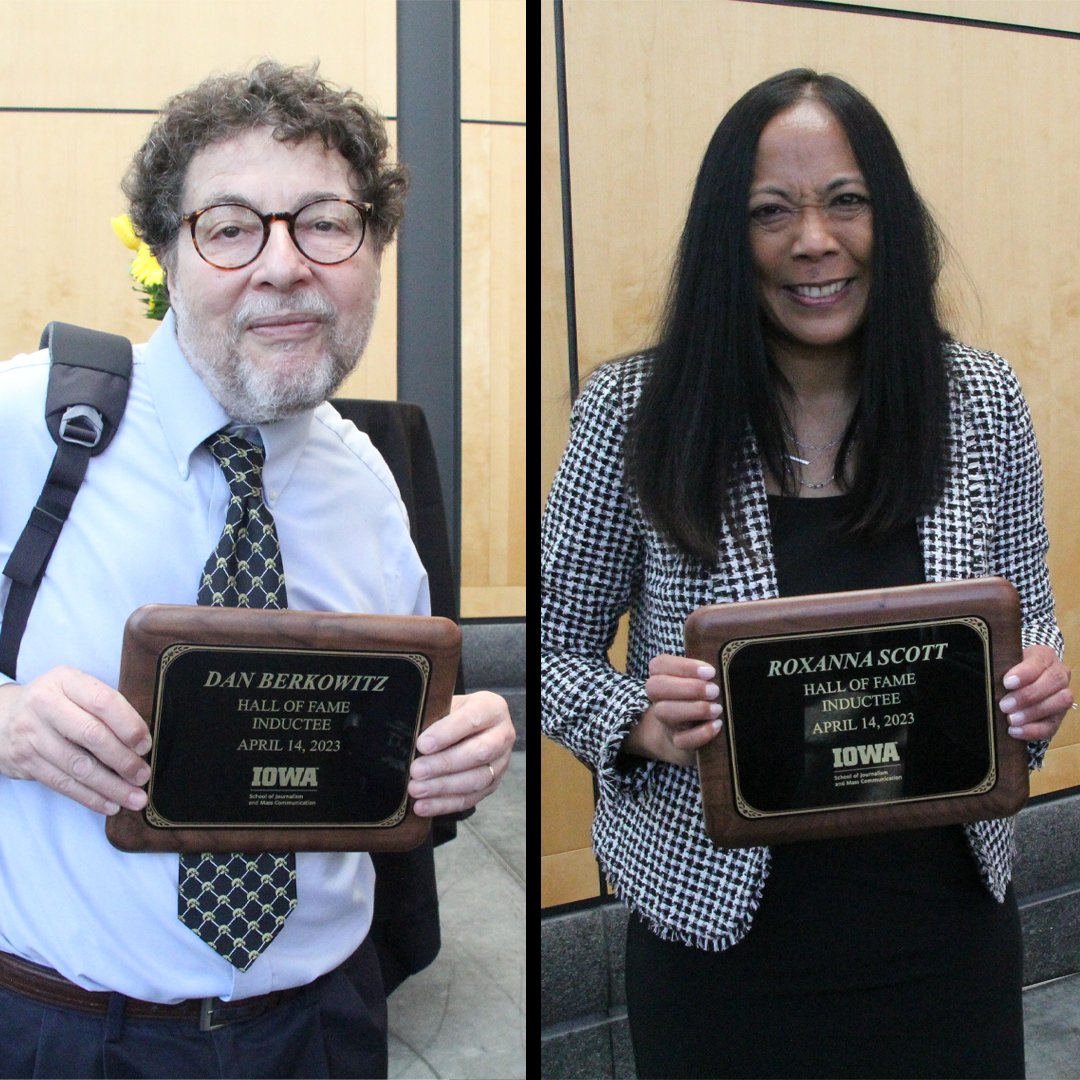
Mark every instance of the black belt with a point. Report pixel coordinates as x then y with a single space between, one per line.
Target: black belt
48 987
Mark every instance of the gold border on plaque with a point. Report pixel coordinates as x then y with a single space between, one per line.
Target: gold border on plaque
736 645
174 652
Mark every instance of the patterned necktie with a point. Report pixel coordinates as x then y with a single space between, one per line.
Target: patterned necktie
237 903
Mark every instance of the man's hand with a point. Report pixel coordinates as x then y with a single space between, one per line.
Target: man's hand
78 736
462 756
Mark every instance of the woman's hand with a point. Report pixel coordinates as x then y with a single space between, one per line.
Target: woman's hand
1038 695
684 714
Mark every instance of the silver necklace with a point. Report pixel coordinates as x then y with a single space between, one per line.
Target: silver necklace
817 487
806 484
808 446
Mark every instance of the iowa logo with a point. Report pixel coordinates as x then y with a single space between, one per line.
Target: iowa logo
867 754
278 777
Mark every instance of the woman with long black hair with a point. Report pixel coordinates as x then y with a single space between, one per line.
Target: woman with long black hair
804 424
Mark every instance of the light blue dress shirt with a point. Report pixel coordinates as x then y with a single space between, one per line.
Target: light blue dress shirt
149 513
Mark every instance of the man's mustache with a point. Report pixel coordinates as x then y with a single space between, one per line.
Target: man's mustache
306 305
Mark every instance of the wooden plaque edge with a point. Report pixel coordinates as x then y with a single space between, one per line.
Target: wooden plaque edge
155 627
710 628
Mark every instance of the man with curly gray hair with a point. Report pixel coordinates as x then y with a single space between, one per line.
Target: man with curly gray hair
269 198
278 117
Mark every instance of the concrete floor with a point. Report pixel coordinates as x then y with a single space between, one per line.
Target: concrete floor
1052 1030
464 1016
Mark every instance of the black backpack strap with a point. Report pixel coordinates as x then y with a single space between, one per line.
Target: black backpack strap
89 375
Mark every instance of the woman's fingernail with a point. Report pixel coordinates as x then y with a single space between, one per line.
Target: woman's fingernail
706 672
712 690
715 711
1017 719
1011 682
1008 704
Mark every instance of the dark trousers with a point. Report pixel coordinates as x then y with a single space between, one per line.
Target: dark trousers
335 1028
694 1013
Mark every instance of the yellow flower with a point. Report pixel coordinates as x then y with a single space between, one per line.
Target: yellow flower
145 269
123 228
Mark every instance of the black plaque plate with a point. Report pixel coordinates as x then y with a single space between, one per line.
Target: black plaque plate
281 730
860 712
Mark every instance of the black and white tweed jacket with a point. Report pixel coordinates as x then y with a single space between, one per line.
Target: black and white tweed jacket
601 558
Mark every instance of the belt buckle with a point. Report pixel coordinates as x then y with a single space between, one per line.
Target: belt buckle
206 1015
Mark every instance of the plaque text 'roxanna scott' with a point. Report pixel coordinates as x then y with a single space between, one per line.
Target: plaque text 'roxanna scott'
872 715
262 737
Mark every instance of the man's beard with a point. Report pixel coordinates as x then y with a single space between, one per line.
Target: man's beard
258 392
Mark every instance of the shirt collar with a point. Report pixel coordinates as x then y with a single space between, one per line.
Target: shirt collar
189 413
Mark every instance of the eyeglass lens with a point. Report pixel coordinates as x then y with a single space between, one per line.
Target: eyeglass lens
232 235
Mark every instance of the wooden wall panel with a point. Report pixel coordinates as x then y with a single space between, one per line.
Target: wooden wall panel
60 197
493 571
1047 14
985 118
127 54
493 60
568 871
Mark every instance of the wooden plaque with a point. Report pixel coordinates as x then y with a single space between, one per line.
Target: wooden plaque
860 712
281 730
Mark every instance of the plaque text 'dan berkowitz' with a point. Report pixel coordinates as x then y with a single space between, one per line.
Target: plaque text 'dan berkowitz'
260 737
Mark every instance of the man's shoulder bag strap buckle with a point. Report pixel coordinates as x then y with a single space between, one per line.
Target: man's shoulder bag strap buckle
89 375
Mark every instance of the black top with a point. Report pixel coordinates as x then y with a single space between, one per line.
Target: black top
877 880
814 555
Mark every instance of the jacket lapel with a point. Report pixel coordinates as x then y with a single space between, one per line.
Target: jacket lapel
952 534
746 570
